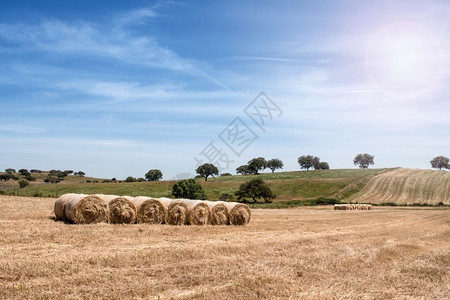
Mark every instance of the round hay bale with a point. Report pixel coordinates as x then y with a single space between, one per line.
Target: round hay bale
239 213
178 213
60 205
219 213
122 210
88 209
152 210
199 212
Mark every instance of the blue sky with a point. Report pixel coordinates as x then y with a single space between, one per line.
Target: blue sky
116 88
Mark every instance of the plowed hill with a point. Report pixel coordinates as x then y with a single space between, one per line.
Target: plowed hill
406 186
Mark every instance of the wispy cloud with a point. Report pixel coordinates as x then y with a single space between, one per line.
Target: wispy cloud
17 128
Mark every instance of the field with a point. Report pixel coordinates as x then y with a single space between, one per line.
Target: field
407 186
300 185
313 253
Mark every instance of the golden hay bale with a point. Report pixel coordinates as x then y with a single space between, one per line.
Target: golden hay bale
60 205
178 213
152 210
239 213
219 213
340 207
199 212
88 209
122 210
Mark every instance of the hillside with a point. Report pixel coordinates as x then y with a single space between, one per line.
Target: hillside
407 186
298 185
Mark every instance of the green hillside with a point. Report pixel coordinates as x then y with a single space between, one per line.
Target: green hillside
288 186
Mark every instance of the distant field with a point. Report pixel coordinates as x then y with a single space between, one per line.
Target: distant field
407 186
300 185
300 253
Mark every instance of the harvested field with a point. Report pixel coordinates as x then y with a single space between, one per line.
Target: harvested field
406 186
307 253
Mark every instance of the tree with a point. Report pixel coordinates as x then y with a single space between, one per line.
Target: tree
188 189
24 172
35 171
257 164
5 177
255 189
130 179
308 161
243 170
30 177
10 171
153 175
225 174
274 164
363 160
68 172
207 170
440 162
323 166
79 174
52 179
23 183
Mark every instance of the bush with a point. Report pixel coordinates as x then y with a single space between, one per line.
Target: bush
141 179
23 183
154 175
226 174
255 189
130 179
188 189
30 177
52 179
226 197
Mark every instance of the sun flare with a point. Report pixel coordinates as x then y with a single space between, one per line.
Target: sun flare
404 60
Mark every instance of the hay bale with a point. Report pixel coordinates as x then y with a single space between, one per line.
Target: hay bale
340 207
152 210
122 210
88 209
199 212
219 213
239 213
178 213
60 205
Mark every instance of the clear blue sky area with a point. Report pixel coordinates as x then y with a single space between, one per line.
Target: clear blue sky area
115 88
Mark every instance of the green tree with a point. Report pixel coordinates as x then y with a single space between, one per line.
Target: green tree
244 170
255 189
440 162
23 183
274 164
207 170
30 177
24 172
10 171
363 160
323 166
188 189
308 161
79 174
130 179
5 177
153 175
257 164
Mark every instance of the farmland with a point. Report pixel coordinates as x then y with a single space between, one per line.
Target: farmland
299 185
313 253
406 186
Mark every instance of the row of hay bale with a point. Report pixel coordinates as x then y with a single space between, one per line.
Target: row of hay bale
88 209
352 207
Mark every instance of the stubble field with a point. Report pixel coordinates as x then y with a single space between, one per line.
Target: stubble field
312 253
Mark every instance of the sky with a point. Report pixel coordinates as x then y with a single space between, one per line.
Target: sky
116 88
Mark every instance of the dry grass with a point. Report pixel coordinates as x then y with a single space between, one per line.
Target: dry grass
312 253
407 186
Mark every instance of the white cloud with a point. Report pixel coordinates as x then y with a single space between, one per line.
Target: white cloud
17 128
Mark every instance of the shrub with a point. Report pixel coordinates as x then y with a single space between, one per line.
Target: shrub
23 183
226 197
130 179
226 174
188 189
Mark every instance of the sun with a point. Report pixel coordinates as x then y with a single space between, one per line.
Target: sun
404 60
